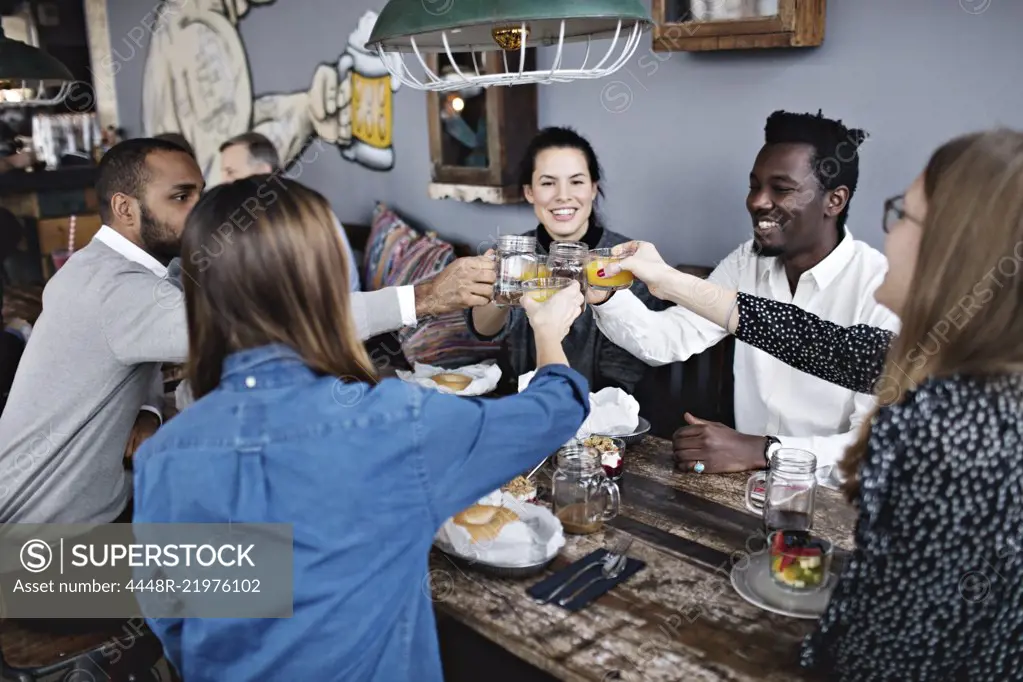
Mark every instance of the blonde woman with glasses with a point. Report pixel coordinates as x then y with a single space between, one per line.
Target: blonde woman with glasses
934 588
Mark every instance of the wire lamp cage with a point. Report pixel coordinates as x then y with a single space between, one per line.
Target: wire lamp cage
29 76
409 30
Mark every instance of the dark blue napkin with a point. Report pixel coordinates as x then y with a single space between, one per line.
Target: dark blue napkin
545 587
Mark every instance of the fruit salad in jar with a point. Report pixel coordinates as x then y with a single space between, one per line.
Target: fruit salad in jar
611 451
799 561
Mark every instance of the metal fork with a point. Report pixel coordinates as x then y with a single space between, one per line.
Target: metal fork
610 571
620 548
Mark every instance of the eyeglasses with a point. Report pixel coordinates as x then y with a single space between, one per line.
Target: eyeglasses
894 211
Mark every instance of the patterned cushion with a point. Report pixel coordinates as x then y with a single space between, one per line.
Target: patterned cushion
389 236
420 260
397 255
445 341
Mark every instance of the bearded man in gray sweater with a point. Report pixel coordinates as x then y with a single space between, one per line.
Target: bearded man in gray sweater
89 385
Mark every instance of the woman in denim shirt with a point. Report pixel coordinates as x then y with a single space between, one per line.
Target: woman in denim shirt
290 427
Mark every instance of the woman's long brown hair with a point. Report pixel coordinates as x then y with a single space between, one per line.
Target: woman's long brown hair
263 263
964 311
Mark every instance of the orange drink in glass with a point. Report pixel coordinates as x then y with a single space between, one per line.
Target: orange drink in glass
599 259
542 288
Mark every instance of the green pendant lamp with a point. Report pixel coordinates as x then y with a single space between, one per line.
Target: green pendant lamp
419 27
29 68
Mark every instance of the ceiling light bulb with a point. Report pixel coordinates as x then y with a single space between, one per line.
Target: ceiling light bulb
510 38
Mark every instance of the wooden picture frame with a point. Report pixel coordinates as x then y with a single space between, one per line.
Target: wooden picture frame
511 122
797 23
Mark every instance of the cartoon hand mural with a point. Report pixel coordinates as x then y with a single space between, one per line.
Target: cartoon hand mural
329 104
197 83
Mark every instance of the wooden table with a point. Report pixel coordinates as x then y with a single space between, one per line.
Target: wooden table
677 619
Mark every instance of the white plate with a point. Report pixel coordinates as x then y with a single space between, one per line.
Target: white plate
754 583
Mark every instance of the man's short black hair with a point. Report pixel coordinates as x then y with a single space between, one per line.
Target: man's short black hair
178 139
836 159
123 169
261 149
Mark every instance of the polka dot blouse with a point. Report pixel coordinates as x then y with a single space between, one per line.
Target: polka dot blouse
934 588
852 357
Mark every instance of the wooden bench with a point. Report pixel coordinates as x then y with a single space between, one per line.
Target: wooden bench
120 652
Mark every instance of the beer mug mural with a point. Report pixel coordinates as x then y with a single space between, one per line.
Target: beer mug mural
197 82
365 75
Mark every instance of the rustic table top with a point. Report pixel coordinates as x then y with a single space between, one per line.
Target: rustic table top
677 619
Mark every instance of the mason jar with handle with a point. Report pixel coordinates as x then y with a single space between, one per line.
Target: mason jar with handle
785 494
568 259
583 496
516 262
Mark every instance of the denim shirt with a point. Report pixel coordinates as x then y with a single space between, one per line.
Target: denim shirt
366 475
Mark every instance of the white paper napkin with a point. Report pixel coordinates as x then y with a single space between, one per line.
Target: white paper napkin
183 395
534 538
485 376
613 412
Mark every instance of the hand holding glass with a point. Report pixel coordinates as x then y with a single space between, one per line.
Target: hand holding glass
542 288
600 259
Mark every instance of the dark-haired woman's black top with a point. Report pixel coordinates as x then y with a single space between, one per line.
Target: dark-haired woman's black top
934 588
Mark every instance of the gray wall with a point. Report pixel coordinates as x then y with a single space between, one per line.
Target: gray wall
676 133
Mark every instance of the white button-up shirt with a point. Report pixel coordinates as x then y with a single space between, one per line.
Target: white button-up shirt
771 398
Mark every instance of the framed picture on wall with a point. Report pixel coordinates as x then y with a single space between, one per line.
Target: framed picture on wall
702 25
476 134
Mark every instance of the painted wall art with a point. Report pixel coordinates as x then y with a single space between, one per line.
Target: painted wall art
197 82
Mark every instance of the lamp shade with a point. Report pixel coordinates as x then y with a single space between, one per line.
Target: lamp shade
20 62
474 25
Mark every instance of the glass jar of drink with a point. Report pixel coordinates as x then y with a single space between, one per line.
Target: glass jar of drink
597 260
582 497
568 259
516 262
788 490
542 288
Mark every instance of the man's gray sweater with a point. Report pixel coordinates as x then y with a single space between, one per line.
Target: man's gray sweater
92 362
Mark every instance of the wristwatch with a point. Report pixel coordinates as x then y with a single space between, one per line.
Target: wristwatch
771 444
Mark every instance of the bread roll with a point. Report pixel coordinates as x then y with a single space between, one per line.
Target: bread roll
456 382
484 522
476 515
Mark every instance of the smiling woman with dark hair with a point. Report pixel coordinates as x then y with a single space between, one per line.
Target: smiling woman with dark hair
562 179
291 426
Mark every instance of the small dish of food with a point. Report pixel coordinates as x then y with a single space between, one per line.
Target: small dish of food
612 454
521 489
501 536
799 561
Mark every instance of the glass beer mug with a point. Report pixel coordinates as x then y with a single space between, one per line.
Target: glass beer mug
789 490
583 496
516 262
568 259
